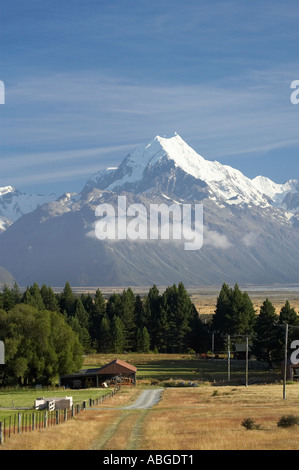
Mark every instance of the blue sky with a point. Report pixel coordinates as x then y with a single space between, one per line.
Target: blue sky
87 81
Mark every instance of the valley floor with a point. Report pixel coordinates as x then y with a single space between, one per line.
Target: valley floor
189 419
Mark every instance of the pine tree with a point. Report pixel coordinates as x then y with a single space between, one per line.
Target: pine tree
127 315
143 340
152 309
81 314
97 313
7 298
117 335
265 343
67 300
287 315
141 317
234 312
49 299
105 336
36 297
223 309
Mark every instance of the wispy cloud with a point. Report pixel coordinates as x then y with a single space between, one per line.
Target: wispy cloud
85 109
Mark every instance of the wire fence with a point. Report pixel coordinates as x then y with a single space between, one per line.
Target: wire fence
23 422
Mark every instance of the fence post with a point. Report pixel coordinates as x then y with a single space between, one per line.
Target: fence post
1 433
19 422
33 421
46 419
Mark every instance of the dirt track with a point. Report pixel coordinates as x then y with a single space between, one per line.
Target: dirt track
127 426
146 399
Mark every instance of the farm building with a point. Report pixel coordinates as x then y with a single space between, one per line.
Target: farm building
292 371
240 351
116 372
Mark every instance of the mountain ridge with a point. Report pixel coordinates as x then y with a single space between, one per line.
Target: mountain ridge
249 236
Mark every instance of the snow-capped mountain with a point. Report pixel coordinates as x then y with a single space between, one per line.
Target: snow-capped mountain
14 204
250 226
137 173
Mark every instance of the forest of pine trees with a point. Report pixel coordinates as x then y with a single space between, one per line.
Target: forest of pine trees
162 322
124 322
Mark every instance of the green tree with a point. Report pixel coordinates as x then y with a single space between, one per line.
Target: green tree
7 300
143 340
97 313
67 300
39 345
288 316
117 335
152 310
221 321
141 318
234 314
105 336
265 342
127 316
49 298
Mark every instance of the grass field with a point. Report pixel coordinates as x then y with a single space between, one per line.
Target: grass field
208 416
15 400
165 369
203 418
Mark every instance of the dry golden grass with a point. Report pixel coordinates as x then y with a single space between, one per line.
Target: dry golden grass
78 433
208 421
206 302
202 418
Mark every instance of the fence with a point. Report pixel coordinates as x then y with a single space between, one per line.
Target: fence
29 421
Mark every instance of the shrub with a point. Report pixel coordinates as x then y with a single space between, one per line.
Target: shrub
249 424
288 421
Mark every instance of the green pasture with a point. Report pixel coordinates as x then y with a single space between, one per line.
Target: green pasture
18 400
160 368
212 371
152 370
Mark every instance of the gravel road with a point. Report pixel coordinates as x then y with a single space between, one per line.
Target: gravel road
146 399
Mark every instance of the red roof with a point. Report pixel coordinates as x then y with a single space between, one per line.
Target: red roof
117 366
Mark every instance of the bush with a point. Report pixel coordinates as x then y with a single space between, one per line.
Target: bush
288 421
249 424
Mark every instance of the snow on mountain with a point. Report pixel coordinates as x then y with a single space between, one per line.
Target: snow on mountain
223 182
250 226
14 204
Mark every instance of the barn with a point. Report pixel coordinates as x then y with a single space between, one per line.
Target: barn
116 372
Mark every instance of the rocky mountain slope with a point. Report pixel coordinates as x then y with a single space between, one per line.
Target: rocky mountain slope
250 226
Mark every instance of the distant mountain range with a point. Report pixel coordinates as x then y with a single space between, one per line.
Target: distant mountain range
251 226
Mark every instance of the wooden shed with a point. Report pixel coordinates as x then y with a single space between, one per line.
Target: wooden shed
292 371
116 372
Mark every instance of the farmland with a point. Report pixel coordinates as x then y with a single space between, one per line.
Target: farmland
208 416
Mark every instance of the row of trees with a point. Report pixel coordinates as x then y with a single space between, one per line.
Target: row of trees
162 322
235 316
46 333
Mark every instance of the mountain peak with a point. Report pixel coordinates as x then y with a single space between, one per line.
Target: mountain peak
166 162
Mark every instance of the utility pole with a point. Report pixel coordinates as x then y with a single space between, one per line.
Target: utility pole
246 371
228 358
285 360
